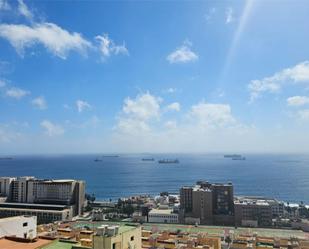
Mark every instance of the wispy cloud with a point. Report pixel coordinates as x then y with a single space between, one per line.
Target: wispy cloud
229 15
16 93
56 40
2 83
82 105
173 107
52 129
24 10
210 13
4 5
108 47
39 103
182 54
297 100
296 74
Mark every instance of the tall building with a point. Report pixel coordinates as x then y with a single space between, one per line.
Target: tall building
69 193
5 186
253 213
186 199
210 203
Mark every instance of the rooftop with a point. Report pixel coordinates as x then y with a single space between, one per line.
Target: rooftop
10 244
161 211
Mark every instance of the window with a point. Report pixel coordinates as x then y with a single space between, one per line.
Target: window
25 224
132 238
114 245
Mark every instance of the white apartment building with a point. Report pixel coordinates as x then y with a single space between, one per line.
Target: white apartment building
162 216
19 226
5 186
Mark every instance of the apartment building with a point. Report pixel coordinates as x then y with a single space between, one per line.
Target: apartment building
40 194
162 216
253 213
117 237
211 203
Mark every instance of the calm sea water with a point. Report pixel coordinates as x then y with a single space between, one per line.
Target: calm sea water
285 177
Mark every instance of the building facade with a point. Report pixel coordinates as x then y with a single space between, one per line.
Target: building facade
36 191
44 213
24 227
253 213
211 203
115 237
162 216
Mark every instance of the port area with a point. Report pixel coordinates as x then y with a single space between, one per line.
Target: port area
211 230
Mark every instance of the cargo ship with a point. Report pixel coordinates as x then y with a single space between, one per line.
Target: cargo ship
148 159
168 161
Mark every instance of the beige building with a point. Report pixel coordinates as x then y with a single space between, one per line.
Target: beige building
202 205
5 186
252 213
162 216
117 237
28 189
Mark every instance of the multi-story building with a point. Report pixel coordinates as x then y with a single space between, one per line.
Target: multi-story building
186 199
5 186
202 203
162 216
67 193
252 212
115 237
44 213
210 203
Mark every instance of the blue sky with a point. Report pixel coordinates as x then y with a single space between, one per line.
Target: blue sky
167 76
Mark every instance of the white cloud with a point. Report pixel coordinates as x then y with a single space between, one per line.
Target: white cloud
4 5
182 54
209 14
144 106
138 113
52 129
170 124
55 39
298 100
2 83
24 10
297 74
212 115
303 114
107 47
171 90
229 15
39 103
16 93
83 105
173 107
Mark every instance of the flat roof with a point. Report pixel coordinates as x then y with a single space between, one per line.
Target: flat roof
32 206
16 217
161 211
10 244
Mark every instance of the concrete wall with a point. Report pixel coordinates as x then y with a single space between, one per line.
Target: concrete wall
162 218
19 226
127 240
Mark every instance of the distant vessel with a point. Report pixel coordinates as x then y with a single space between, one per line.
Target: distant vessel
148 159
239 158
98 160
168 161
233 156
6 158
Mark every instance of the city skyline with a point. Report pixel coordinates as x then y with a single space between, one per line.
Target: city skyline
154 77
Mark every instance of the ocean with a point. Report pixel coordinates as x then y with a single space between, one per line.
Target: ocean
285 177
